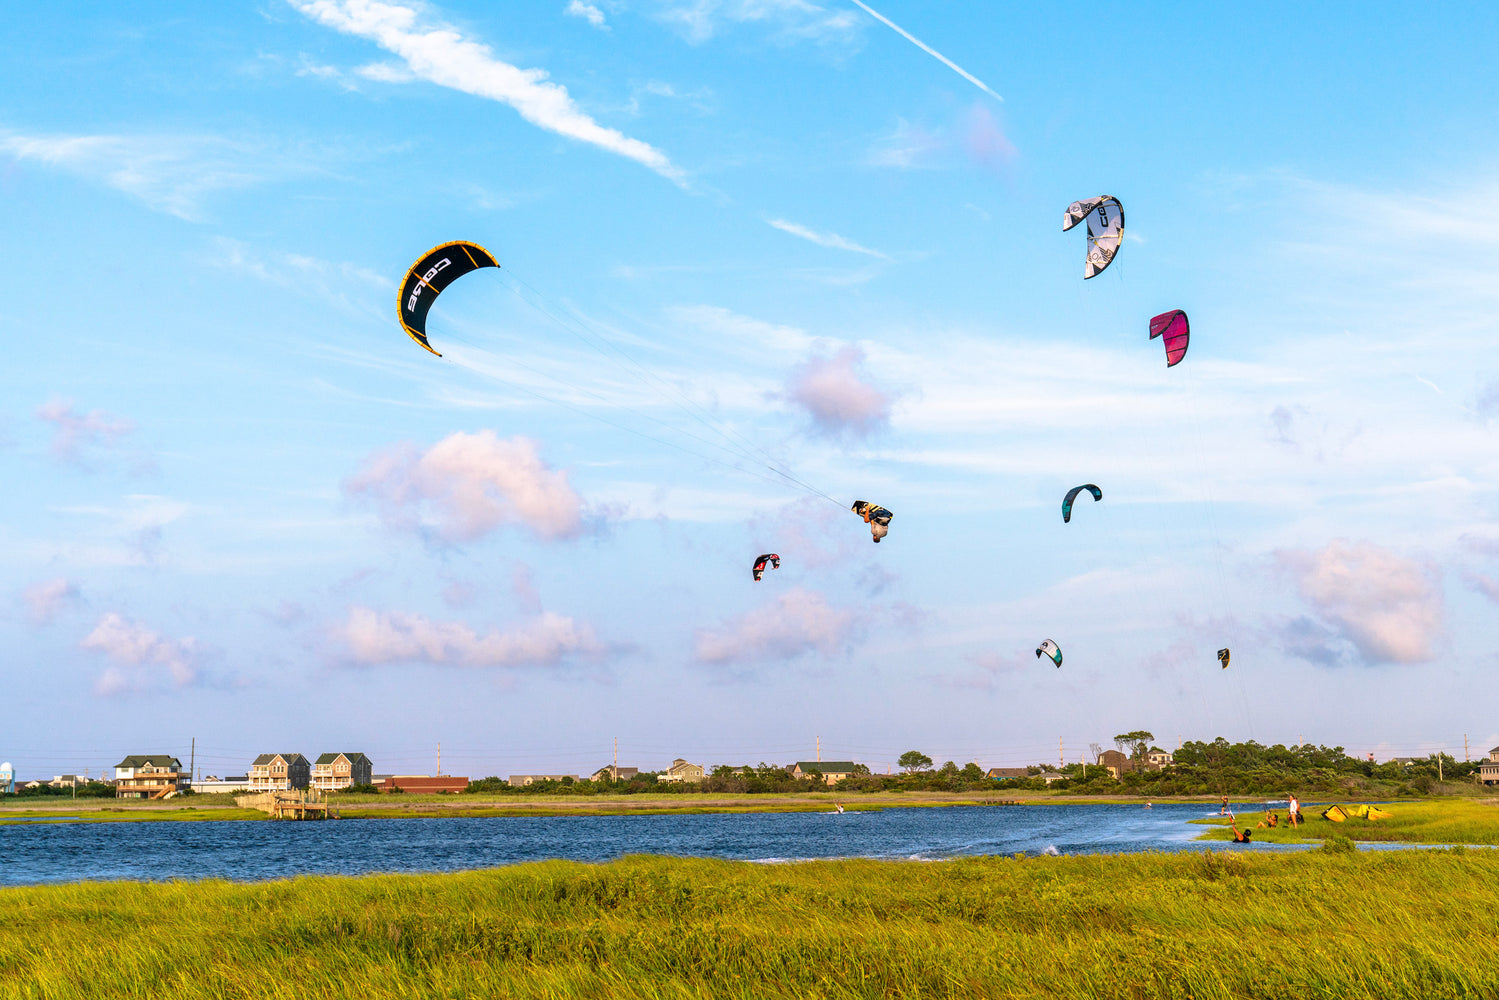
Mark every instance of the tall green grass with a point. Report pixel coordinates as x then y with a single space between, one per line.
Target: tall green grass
1418 924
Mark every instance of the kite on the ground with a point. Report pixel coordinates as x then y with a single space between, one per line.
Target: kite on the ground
1174 328
438 268
1050 649
1105 230
1223 658
769 557
1072 495
878 518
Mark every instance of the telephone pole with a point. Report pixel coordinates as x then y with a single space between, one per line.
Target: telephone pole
192 763
819 748
1061 757
615 775
439 758
1465 748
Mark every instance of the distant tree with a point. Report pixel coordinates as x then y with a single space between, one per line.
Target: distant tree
914 760
375 789
1097 750
861 768
972 772
1138 742
949 770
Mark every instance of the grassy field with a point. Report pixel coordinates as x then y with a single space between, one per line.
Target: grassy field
1434 821
1409 924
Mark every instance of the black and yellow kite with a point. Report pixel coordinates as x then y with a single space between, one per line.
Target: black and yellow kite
438 268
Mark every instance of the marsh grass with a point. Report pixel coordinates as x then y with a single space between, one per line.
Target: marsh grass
1216 924
1435 821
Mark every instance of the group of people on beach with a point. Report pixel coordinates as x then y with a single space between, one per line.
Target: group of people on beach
1271 820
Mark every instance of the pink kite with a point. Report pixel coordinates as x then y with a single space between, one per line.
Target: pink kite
1173 325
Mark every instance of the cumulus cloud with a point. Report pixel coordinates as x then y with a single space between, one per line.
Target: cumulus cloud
830 240
134 650
373 637
588 12
74 432
799 621
837 394
442 55
1387 607
45 601
467 485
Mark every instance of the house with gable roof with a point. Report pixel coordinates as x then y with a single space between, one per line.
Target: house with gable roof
279 772
150 776
333 771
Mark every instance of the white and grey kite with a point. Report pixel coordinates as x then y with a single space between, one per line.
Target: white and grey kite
1105 230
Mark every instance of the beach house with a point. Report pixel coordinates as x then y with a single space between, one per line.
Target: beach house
150 776
333 771
832 771
1488 770
276 772
680 770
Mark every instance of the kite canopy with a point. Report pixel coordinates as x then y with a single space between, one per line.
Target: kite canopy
759 568
438 268
1173 327
1072 495
1105 230
1050 649
1223 658
878 518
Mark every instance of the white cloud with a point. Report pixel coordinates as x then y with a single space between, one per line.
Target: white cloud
172 174
838 396
73 432
45 601
467 485
830 240
442 55
547 640
1388 607
799 621
385 72
134 649
588 12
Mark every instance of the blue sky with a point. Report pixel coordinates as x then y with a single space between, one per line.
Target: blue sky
740 239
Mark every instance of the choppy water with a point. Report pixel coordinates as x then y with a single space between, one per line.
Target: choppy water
34 853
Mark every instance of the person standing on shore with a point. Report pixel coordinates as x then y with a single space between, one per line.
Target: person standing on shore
1295 807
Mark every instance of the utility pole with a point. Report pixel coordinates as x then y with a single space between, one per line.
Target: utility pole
192 763
819 748
439 758
1061 757
1439 765
615 775
1465 748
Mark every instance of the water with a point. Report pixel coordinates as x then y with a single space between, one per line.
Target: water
247 851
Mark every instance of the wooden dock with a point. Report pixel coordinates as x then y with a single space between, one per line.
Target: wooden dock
297 805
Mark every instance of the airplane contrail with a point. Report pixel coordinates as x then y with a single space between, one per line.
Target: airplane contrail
923 46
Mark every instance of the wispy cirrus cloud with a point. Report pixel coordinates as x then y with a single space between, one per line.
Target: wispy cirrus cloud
75 434
549 639
588 12
441 54
134 651
172 174
831 240
467 485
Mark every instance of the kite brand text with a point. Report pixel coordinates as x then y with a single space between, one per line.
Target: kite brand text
416 292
